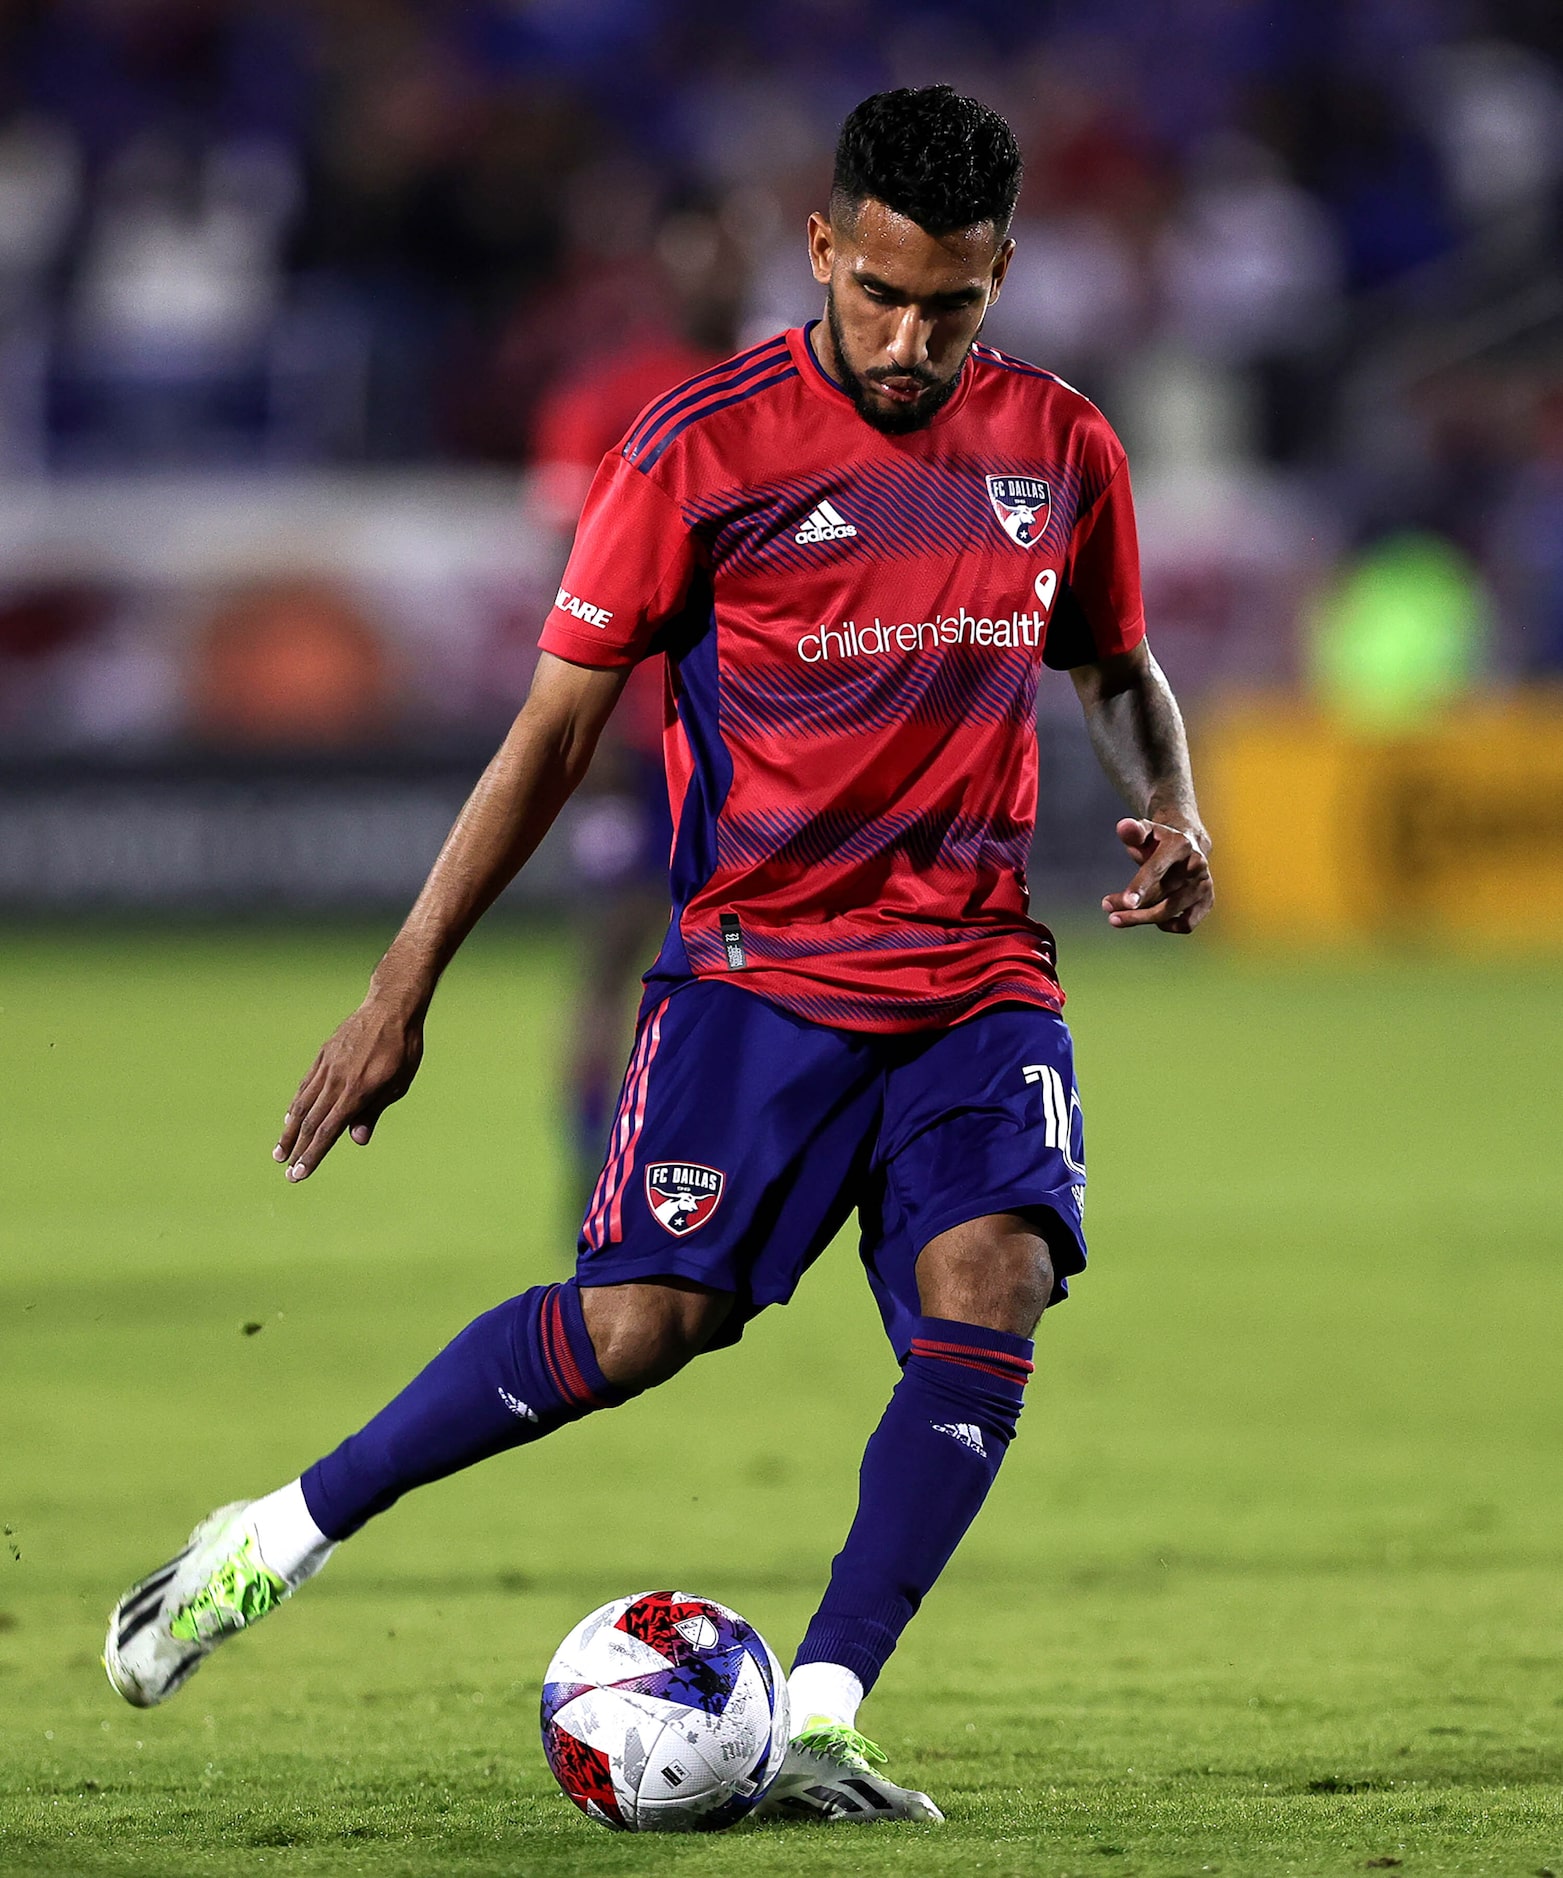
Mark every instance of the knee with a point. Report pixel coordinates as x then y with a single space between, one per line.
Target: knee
996 1272
644 1333
1014 1292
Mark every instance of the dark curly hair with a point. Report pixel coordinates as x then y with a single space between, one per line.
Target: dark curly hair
943 161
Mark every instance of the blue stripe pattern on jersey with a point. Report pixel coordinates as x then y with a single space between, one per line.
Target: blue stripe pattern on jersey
700 385
813 358
990 355
707 386
929 838
679 393
962 684
651 454
900 509
697 683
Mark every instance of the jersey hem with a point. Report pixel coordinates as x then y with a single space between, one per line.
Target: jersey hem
1048 996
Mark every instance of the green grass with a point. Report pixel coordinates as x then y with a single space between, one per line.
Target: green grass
1271 1581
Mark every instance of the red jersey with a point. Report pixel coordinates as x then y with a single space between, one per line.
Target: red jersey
854 626
577 422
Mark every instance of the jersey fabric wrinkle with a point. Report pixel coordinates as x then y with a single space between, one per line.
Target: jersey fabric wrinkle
850 714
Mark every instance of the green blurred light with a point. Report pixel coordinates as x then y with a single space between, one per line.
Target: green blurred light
1403 631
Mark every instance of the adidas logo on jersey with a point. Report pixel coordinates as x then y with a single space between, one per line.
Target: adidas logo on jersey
967 1433
824 523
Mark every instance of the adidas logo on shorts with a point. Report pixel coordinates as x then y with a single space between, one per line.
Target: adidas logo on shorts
824 522
967 1433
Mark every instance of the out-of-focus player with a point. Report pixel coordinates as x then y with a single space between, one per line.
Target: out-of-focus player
856 546
621 831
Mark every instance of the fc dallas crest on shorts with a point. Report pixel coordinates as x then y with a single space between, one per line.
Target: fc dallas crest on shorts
681 1195
1022 504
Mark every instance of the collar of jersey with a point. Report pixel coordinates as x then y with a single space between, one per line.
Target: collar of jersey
820 382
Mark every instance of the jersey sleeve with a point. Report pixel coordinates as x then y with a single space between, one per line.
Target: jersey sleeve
629 570
1100 609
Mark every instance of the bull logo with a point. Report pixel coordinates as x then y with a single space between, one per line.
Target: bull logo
1022 504
682 1195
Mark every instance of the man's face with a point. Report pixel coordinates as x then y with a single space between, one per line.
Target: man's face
902 308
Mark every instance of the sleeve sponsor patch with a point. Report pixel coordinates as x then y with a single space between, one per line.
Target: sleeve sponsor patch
582 609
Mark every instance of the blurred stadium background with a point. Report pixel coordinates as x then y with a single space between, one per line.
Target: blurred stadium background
315 316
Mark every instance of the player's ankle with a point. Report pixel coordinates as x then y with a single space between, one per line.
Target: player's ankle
823 1692
289 1541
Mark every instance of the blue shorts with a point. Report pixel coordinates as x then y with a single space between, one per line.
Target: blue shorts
745 1137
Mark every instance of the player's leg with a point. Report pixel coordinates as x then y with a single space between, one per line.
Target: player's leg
517 1373
937 1450
925 1473
981 1197
699 1219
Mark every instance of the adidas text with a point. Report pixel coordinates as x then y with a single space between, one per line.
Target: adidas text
967 1433
824 523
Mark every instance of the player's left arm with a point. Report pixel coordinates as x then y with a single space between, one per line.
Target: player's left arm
1137 732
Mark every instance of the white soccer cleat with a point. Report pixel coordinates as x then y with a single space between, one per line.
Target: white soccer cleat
829 1775
163 1627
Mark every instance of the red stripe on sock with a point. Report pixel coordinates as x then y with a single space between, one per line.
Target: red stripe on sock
1016 1369
546 1319
576 1388
930 1346
563 1368
987 1369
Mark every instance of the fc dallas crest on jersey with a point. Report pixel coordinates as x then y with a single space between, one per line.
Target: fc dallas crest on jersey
1022 504
681 1195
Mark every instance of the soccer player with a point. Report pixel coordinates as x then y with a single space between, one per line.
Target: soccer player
857 544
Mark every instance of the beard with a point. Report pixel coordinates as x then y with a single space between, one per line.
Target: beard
892 420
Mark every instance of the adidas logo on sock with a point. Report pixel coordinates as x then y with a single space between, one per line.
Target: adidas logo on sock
824 523
967 1433
517 1407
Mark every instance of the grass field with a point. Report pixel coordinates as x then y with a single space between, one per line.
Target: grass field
1271 1581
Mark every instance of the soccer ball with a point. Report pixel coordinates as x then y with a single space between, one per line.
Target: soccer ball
665 1713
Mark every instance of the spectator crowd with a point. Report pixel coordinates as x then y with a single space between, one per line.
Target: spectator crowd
1310 240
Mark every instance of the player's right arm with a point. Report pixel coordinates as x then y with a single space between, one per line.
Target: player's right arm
629 574
371 1059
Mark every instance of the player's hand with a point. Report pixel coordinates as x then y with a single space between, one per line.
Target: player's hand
1172 889
366 1065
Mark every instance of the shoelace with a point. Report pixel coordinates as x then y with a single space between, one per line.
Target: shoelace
238 1593
845 1746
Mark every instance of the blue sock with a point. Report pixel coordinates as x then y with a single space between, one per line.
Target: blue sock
518 1372
926 1471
